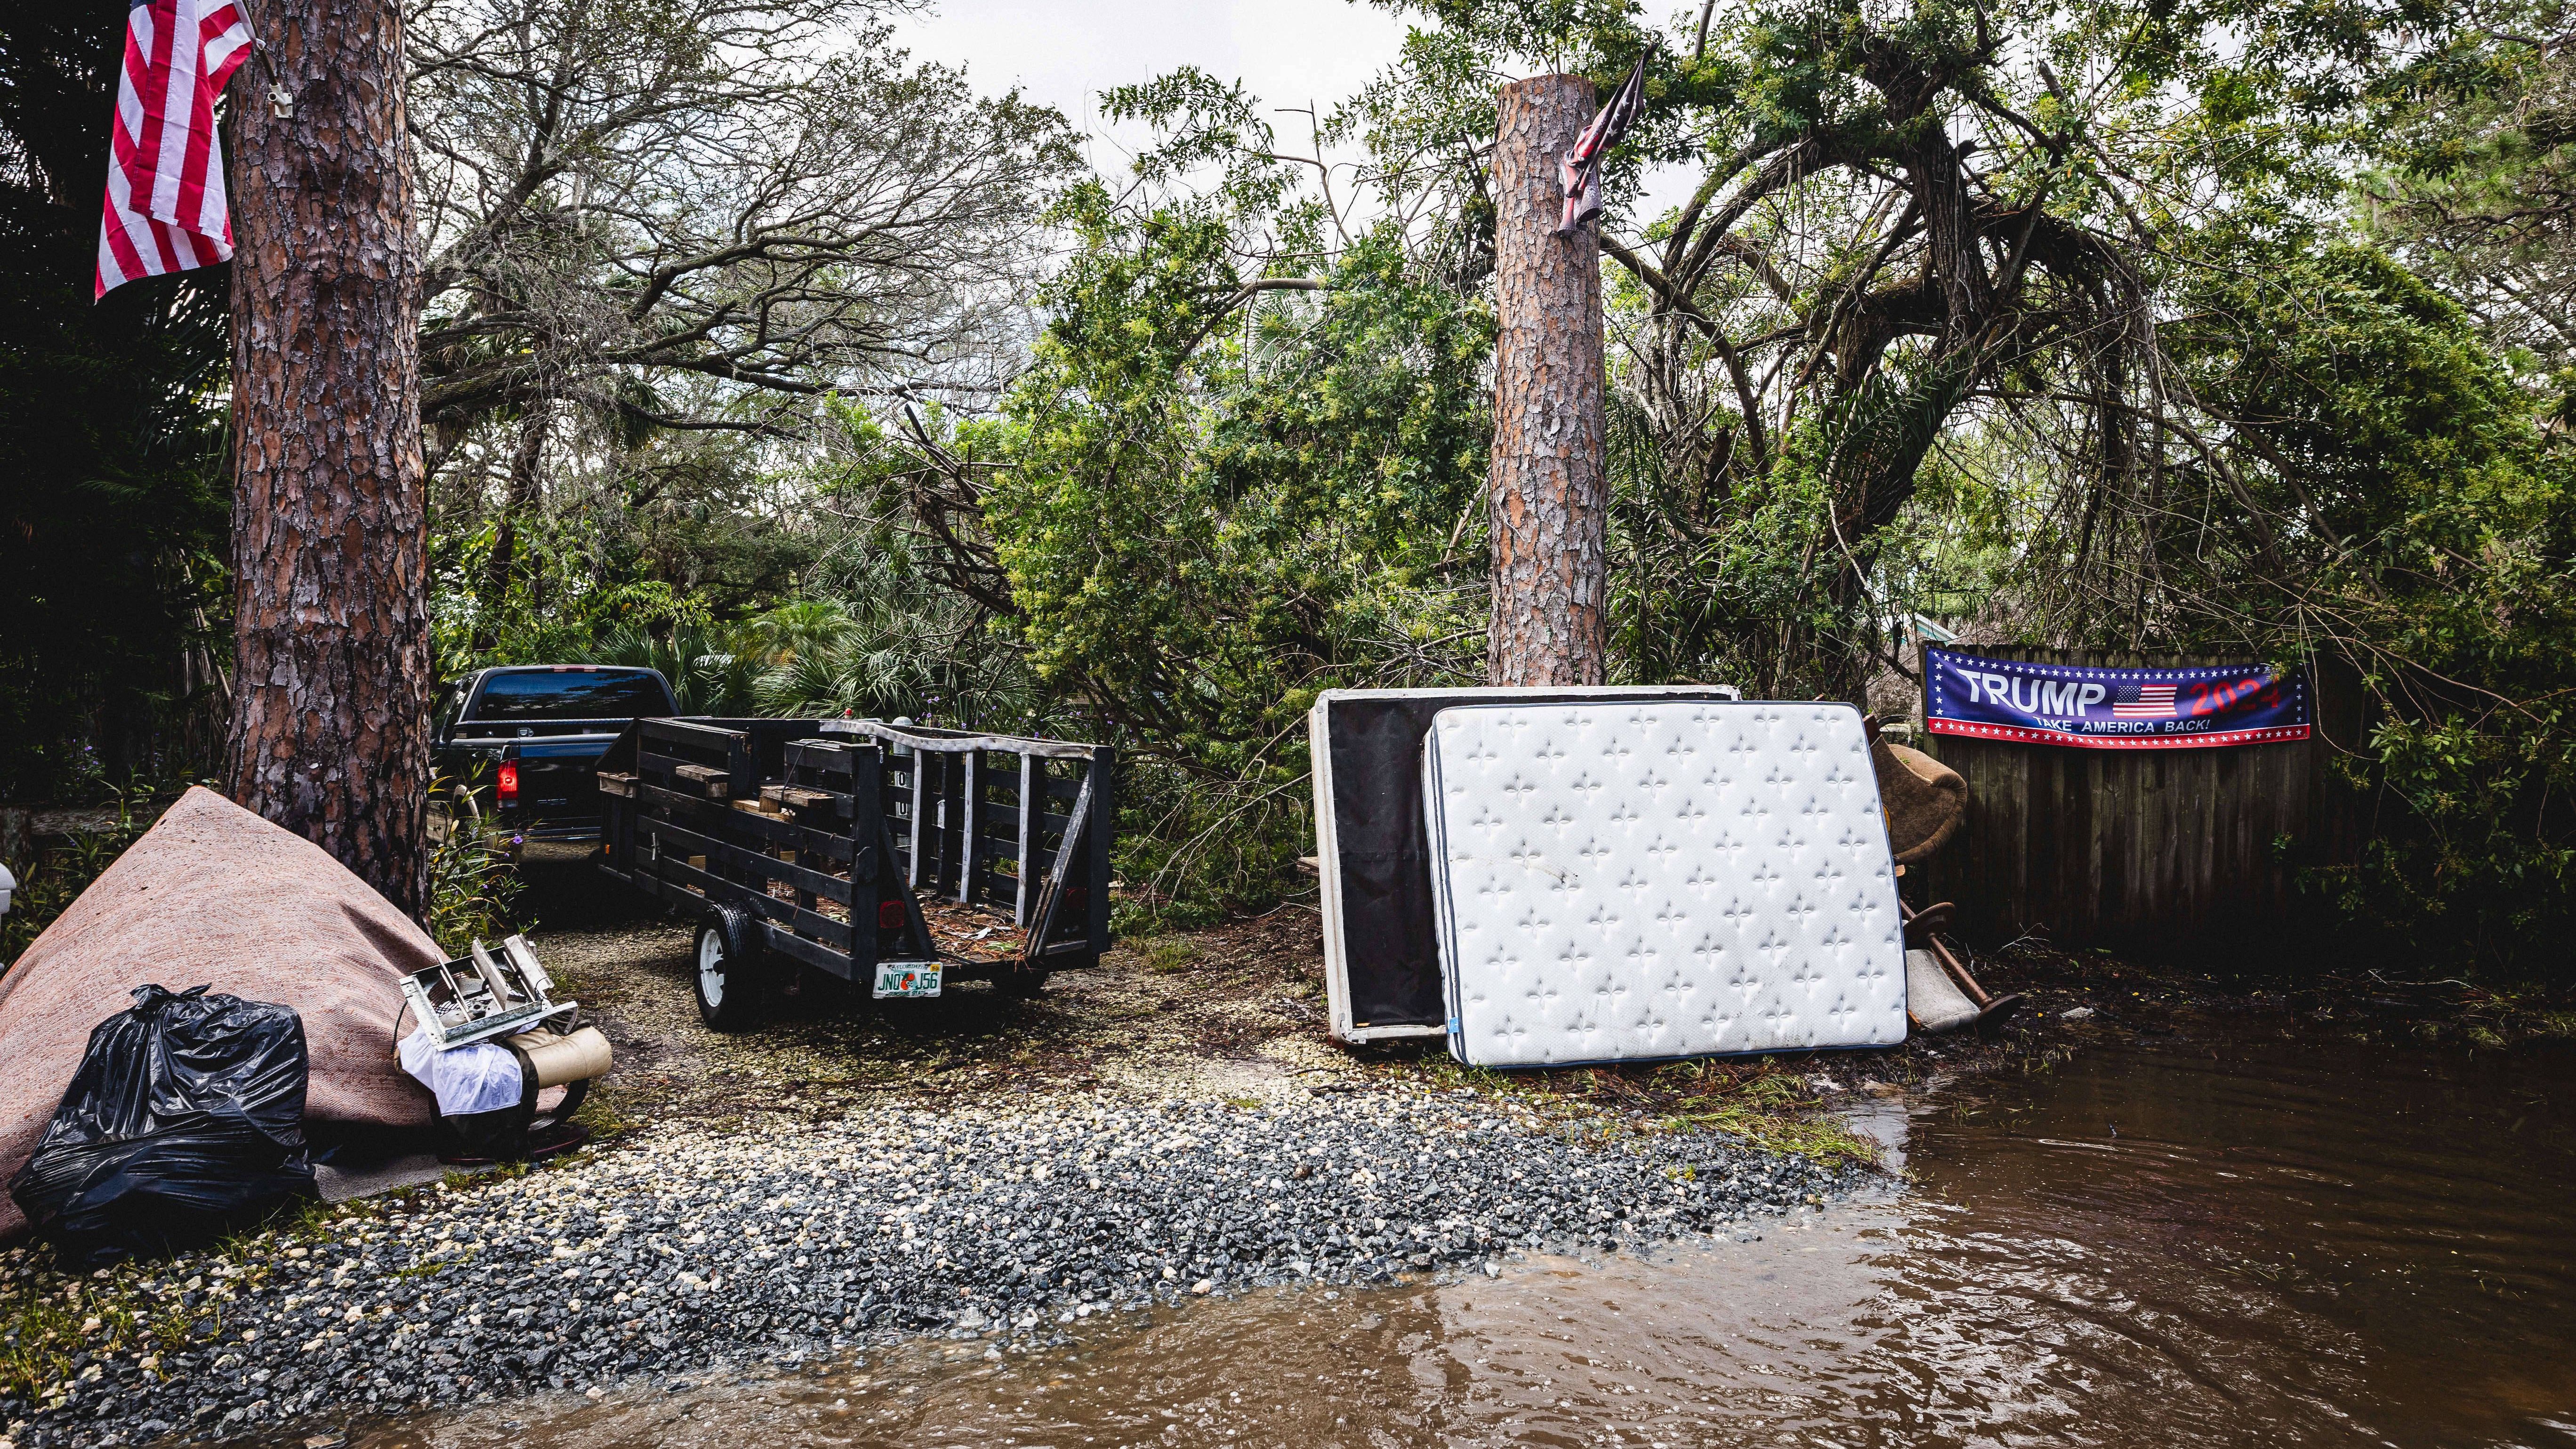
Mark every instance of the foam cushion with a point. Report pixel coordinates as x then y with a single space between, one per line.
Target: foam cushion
1926 800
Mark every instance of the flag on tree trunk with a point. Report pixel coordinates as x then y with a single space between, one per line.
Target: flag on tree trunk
165 208
1580 168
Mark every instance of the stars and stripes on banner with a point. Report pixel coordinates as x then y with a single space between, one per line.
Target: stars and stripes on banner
2195 707
1580 168
166 210
2143 701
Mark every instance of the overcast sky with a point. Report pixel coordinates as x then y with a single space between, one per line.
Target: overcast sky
1286 52
1065 52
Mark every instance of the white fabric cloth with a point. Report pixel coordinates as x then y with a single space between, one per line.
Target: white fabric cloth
1933 997
483 1077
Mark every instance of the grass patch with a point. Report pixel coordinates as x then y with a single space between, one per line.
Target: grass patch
1168 955
50 1318
1766 1102
600 1117
138 1310
1818 1136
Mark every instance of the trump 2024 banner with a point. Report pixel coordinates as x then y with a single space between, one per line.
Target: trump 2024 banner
2111 709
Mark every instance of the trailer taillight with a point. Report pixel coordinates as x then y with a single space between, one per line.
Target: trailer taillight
889 915
509 786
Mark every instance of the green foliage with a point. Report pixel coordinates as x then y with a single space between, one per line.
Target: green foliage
2383 497
1245 460
713 668
50 881
2454 595
474 884
1231 490
903 649
2476 140
1202 538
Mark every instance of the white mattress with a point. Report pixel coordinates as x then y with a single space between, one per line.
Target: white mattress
1371 942
1645 880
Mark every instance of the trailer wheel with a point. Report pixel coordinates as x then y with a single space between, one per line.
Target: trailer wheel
1019 985
729 976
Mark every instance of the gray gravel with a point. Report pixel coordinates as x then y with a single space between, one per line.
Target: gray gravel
692 1249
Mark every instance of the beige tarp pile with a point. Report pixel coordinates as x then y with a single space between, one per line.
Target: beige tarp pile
215 894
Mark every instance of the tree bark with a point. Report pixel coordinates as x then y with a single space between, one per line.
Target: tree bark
1549 489
330 724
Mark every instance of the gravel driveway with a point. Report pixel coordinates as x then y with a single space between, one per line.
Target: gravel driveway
984 1169
687 1247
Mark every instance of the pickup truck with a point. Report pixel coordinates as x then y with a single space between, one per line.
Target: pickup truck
520 744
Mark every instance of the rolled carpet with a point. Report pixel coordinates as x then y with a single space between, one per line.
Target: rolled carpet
213 894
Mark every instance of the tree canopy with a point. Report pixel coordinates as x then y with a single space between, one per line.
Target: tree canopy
830 381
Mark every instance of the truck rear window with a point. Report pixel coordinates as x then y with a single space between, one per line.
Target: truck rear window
570 694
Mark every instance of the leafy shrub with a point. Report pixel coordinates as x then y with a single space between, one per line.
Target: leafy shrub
473 884
55 877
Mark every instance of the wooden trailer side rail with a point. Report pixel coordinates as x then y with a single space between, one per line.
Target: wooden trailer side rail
830 834
1003 821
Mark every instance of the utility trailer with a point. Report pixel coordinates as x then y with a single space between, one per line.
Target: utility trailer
891 855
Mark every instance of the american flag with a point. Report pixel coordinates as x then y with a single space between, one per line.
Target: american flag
1580 168
165 208
2143 701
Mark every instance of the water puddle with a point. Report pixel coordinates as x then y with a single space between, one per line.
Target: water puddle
2244 1238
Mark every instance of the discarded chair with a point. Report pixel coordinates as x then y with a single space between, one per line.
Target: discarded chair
1926 803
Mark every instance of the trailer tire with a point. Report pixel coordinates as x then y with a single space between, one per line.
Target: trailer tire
1020 985
730 979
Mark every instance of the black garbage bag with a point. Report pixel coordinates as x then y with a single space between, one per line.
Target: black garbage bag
185 1120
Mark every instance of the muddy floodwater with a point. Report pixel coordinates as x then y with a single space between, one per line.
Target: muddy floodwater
2246 1234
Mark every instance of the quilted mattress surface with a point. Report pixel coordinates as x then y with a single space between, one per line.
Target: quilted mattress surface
1381 966
1644 880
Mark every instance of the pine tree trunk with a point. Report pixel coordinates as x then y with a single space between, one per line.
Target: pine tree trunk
330 727
1549 490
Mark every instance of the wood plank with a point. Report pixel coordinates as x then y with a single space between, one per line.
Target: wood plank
822 929
834 888
708 781
1024 831
803 758
970 821
721 817
812 953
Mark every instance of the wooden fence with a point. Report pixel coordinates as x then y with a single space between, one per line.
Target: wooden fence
2146 851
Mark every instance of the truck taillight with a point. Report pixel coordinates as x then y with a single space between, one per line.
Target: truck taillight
508 789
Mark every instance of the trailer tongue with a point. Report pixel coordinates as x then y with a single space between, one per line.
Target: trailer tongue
894 855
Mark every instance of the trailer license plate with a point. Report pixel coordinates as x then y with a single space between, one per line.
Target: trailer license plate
907 981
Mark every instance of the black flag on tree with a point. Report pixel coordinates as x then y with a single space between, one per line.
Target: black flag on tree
1581 167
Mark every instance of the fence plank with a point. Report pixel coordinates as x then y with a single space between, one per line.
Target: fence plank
2147 850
